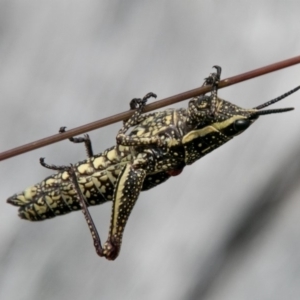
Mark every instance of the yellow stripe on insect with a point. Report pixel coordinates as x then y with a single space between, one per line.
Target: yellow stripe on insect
215 127
119 195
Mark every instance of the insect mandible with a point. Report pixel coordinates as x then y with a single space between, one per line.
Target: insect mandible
159 146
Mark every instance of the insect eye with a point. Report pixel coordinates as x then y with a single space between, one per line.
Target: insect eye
240 125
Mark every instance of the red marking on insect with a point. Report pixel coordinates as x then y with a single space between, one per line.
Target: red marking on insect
175 172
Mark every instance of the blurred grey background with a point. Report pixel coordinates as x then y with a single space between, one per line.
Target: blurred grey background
229 226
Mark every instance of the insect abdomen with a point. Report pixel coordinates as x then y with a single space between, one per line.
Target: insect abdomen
56 196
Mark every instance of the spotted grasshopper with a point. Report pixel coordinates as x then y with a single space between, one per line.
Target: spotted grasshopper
159 146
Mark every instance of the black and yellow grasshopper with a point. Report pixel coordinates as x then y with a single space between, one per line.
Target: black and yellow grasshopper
159 146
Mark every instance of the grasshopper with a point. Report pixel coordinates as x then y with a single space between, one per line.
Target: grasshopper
159 146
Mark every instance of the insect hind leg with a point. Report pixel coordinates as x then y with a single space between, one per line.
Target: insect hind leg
82 202
52 167
85 211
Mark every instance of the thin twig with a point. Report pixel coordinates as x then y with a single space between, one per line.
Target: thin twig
155 105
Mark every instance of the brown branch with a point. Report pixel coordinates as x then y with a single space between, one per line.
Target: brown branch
155 105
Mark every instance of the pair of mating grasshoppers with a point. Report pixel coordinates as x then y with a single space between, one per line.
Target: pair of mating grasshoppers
159 146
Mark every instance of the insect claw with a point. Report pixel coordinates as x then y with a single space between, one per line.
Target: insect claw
149 95
135 102
62 129
219 70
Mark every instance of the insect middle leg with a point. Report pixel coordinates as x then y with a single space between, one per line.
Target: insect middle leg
135 119
85 139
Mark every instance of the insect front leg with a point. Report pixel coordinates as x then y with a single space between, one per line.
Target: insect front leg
85 139
214 79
